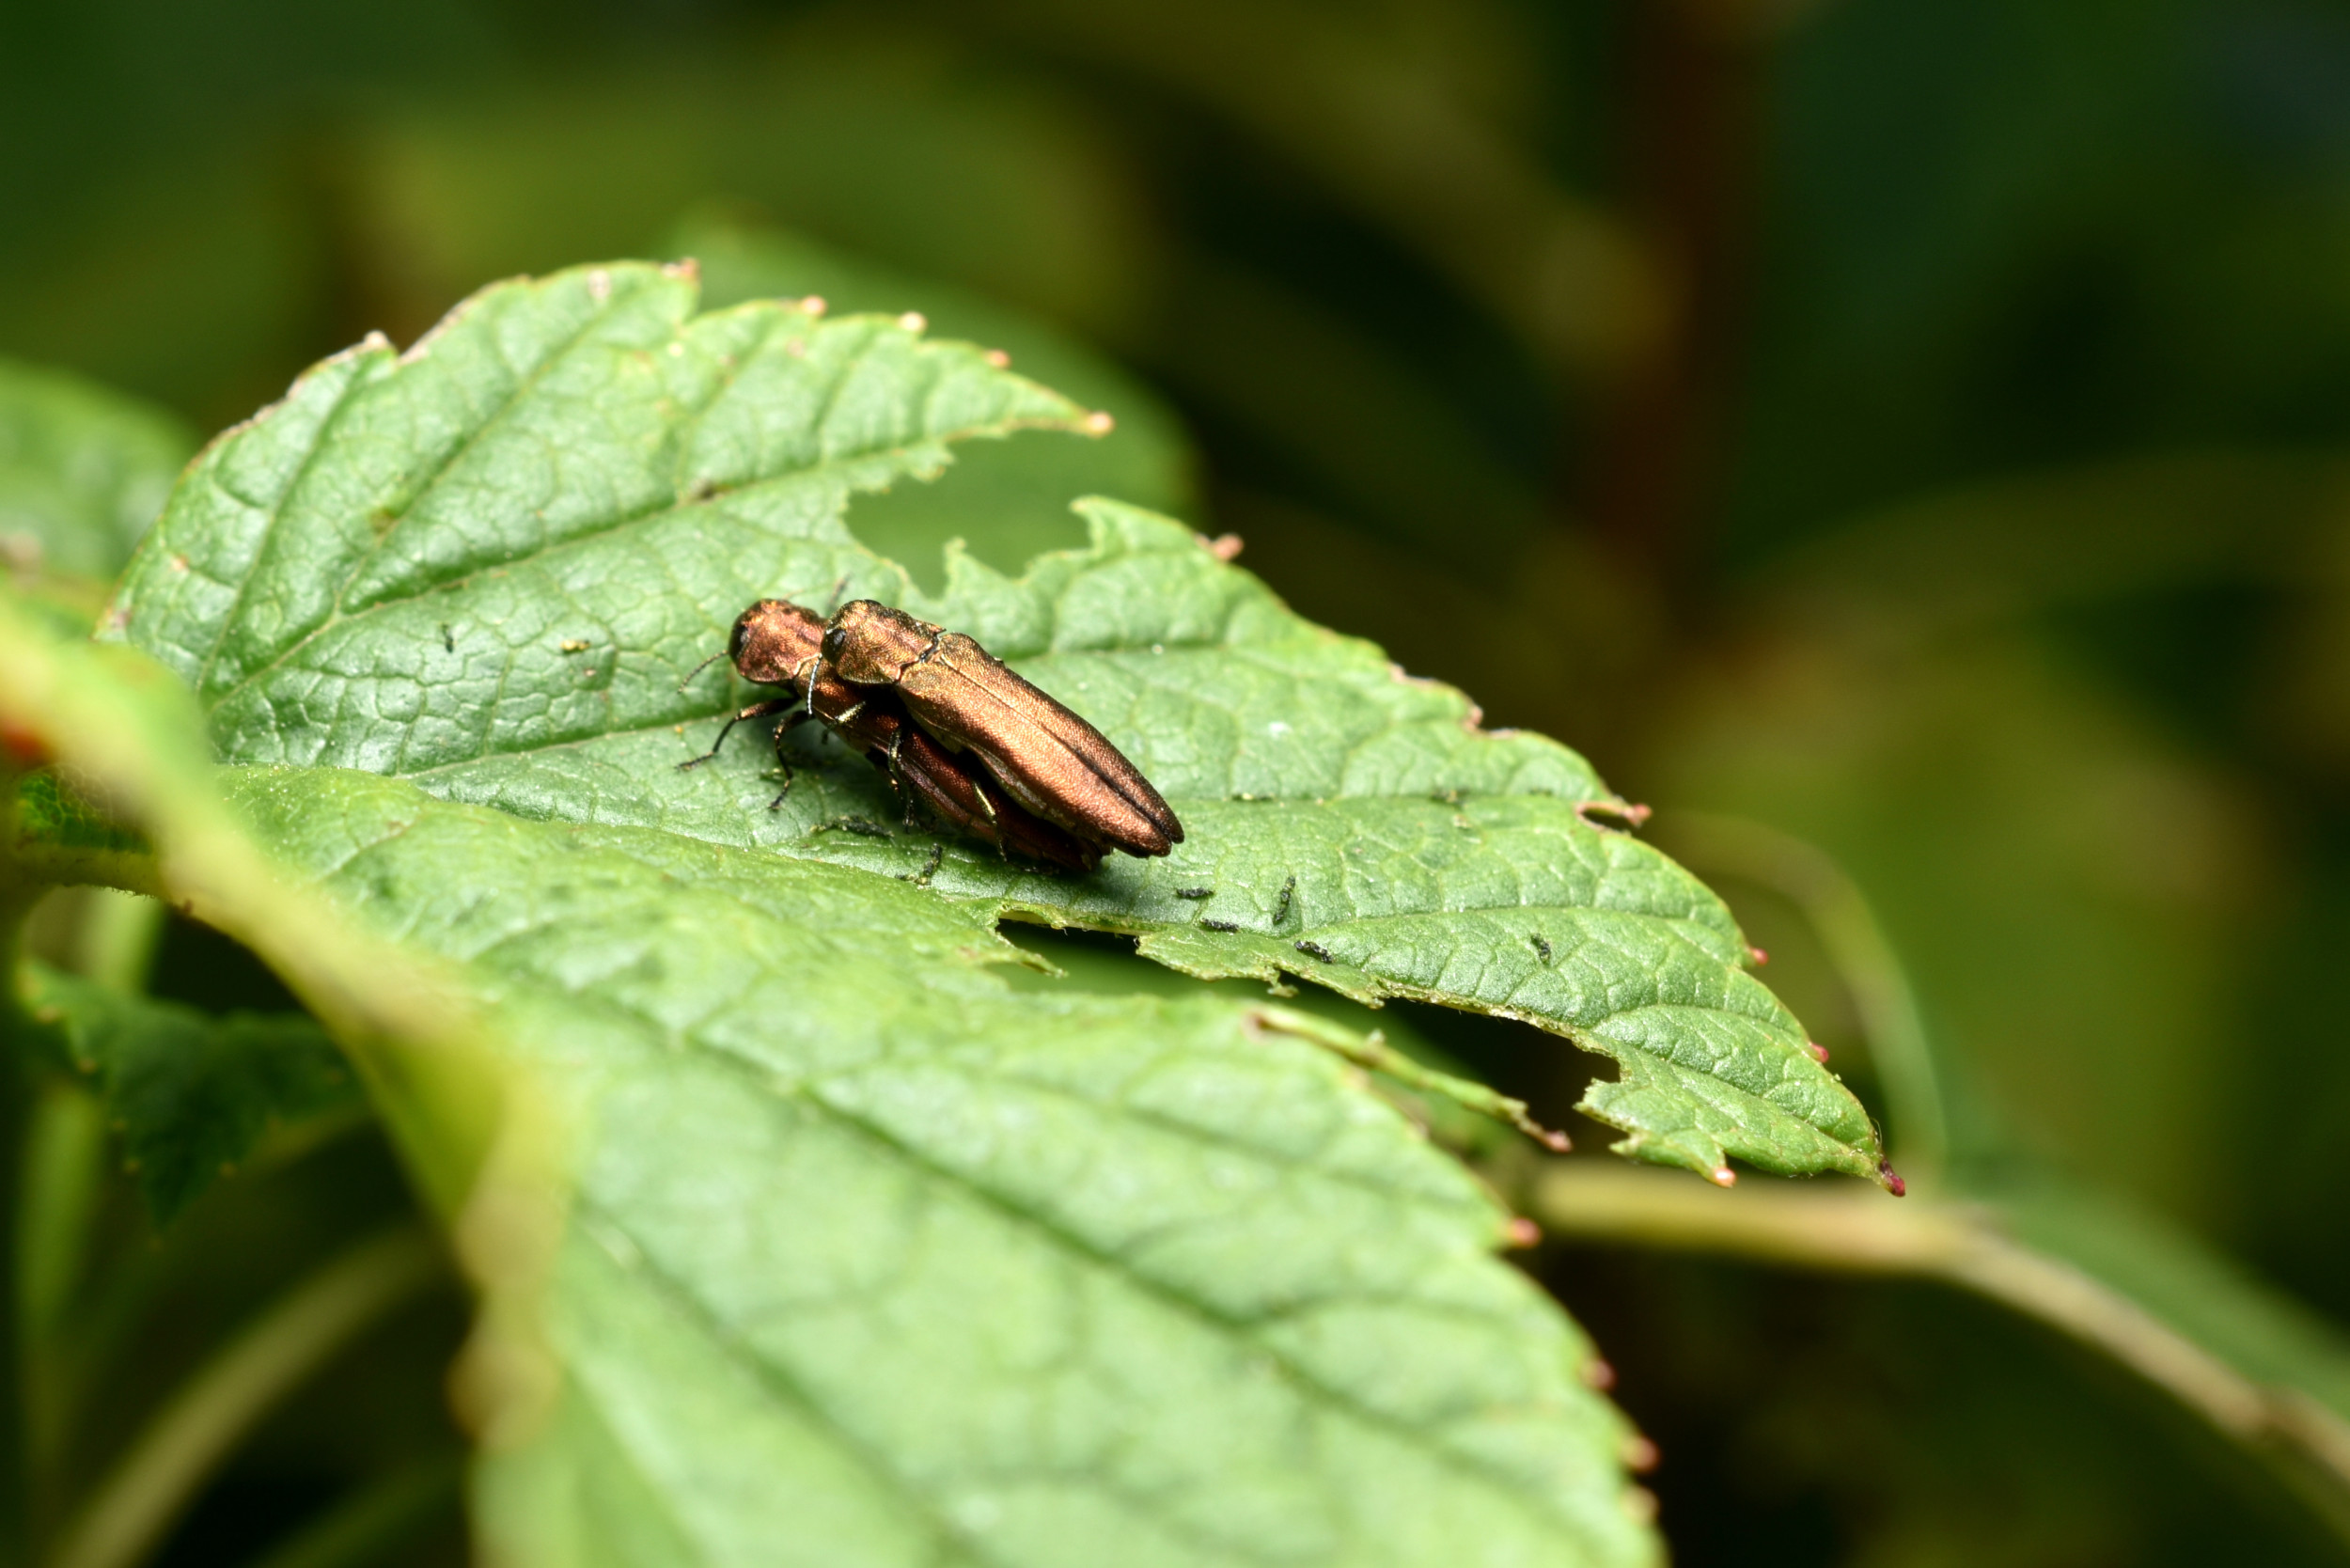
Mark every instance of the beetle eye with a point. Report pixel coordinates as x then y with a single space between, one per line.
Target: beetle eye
834 639
734 642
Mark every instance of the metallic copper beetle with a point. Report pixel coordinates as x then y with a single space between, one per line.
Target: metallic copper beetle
1046 758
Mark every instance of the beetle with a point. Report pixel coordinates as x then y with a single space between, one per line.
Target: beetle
1045 757
776 643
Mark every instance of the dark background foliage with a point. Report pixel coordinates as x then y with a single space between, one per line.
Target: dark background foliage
1908 424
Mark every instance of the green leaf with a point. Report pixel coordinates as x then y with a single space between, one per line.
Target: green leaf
872 1258
864 1250
83 471
192 1095
487 565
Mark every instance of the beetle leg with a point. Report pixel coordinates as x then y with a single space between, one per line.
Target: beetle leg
897 773
1003 846
756 709
777 804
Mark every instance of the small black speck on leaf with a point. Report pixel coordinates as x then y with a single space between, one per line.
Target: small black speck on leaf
1195 892
1315 950
1218 925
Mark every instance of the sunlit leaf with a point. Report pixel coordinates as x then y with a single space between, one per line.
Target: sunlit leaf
487 568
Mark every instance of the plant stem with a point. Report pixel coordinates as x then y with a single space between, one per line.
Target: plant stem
201 1425
62 1166
1962 1244
119 939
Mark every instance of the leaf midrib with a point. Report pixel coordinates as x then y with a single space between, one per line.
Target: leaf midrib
525 382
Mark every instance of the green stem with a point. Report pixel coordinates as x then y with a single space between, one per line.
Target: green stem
1962 1245
201 1425
63 1166
119 937
1858 948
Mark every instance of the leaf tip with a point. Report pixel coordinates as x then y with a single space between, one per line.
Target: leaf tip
1722 1176
1598 1374
812 305
1891 1180
1640 1454
685 268
1097 423
1520 1233
913 321
997 358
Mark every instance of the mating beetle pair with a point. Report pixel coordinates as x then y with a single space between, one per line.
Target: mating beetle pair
925 705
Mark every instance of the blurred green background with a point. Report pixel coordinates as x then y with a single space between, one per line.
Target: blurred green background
1915 425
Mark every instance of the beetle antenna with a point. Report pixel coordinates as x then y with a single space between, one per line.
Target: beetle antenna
698 669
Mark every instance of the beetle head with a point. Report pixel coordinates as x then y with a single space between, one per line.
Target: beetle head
871 645
773 640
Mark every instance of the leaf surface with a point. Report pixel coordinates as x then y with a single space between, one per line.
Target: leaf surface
872 1254
486 565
